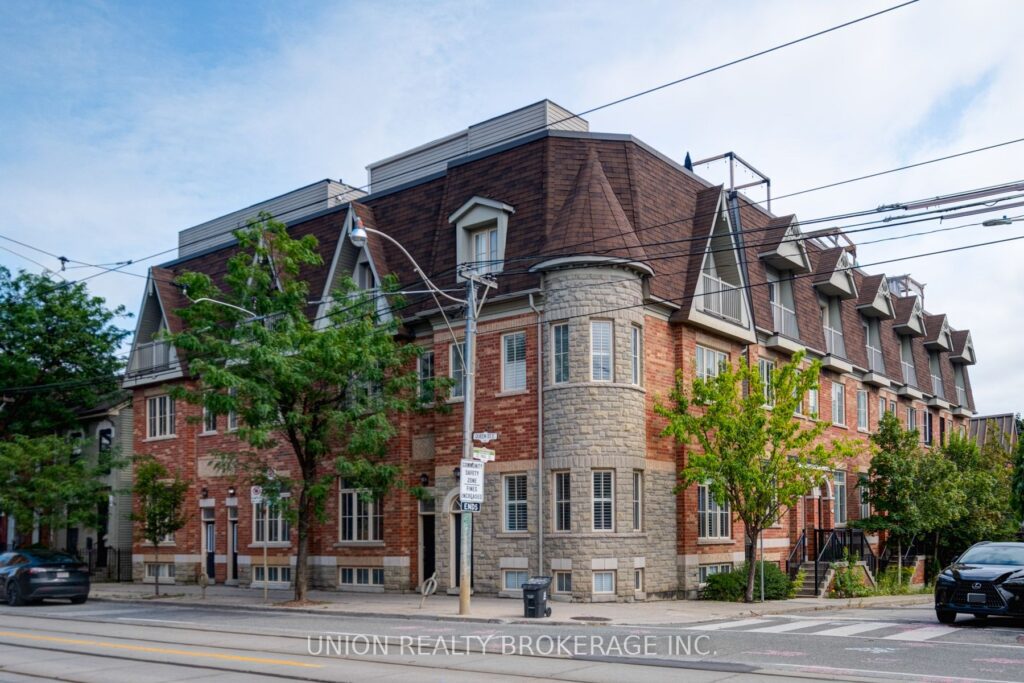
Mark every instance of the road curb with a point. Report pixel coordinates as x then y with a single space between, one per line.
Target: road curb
853 603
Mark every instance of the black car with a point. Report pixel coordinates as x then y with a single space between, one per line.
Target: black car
31 575
986 580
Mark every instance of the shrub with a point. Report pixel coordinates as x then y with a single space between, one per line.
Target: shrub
730 586
888 583
849 580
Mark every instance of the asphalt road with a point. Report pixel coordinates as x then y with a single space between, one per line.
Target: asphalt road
104 641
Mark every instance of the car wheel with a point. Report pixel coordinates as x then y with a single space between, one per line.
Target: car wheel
79 599
945 616
14 598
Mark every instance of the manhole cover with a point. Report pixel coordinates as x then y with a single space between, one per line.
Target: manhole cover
590 618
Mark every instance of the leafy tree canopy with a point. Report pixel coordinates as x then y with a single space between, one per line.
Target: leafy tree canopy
759 458
58 346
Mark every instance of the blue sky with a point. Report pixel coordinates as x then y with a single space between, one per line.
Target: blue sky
123 123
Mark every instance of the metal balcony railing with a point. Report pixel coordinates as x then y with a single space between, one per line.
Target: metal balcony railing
909 376
937 387
785 320
875 362
961 396
151 356
721 298
834 341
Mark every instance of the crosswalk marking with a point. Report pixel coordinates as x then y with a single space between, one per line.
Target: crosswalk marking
790 626
729 625
854 629
919 634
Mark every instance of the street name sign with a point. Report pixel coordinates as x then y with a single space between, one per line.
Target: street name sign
485 437
483 454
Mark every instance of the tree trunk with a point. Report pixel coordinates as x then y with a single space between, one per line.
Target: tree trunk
301 560
899 563
751 551
156 548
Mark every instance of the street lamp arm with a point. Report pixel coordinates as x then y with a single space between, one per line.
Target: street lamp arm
224 303
358 237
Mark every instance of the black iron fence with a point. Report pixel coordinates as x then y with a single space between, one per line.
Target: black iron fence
838 545
797 556
106 564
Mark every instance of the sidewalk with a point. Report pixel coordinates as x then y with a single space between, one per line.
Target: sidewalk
484 608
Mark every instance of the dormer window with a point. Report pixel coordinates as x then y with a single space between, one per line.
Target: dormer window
481 228
363 276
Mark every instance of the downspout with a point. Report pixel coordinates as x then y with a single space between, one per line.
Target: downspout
540 438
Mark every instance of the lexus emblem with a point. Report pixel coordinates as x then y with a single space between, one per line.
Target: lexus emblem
976 586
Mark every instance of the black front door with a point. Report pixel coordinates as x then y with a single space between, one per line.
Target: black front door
428 547
211 538
72 540
102 522
234 549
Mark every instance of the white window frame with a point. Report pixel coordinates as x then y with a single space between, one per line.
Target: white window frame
911 419
209 421
232 420
560 355
926 427
514 503
863 423
165 570
483 244
839 404
506 574
556 584
374 577
865 505
813 405
598 352
161 417
562 513
457 370
709 362
277 527
706 570
765 367
513 370
840 514
425 368
636 354
275 574
714 519
638 579
638 500
881 409
604 574
360 520
602 504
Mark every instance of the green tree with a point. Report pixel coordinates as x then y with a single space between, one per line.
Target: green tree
58 351
159 501
1017 485
328 390
759 459
46 481
911 491
986 474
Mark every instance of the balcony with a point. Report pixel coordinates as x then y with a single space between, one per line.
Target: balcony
876 369
785 320
909 376
152 356
834 342
721 298
937 389
961 396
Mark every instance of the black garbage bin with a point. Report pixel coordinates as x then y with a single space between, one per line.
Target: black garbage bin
535 597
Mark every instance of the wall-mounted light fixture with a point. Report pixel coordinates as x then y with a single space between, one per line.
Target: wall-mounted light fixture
456 471
204 493
424 479
231 492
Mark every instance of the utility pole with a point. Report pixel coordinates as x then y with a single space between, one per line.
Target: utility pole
468 396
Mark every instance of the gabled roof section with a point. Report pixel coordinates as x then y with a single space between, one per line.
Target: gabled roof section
715 280
874 300
937 335
834 276
347 257
909 318
151 359
592 223
963 348
782 245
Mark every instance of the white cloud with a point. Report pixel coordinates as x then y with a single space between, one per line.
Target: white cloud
134 140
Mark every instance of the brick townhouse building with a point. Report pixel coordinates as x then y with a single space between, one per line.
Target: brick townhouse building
616 267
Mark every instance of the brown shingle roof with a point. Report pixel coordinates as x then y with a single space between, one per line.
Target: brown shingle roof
904 306
828 259
868 288
933 326
703 221
592 220
960 338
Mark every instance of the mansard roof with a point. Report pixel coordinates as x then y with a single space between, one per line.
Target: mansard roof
874 300
781 246
963 347
831 277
